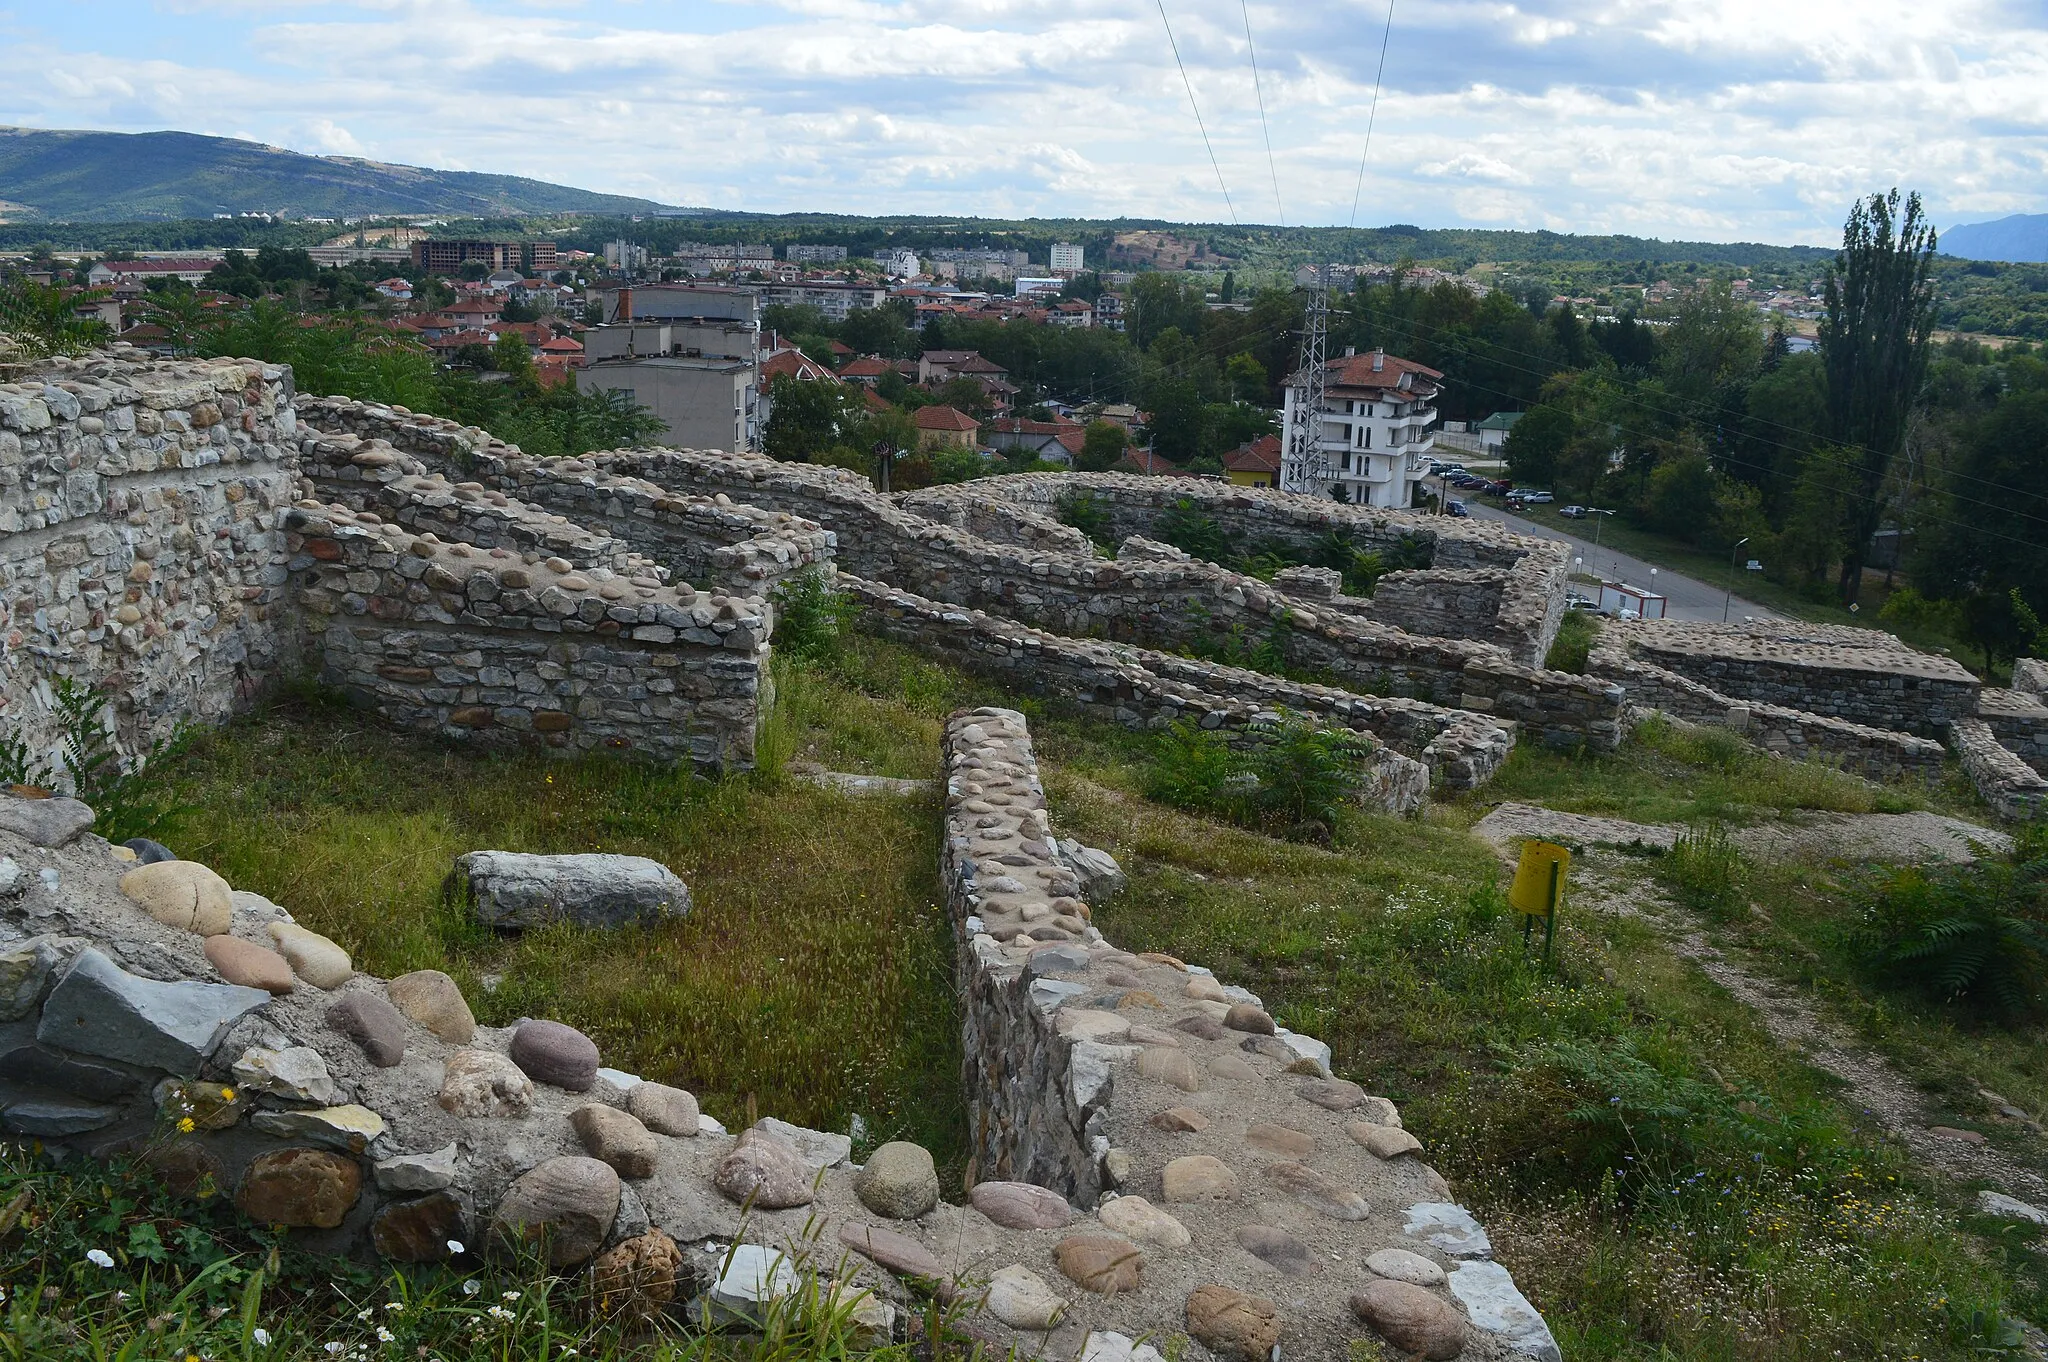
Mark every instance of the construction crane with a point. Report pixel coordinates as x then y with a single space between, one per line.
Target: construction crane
1304 466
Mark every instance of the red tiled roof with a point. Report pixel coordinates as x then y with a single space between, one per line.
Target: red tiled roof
867 366
944 418
1072 439
1260 456
1145 461
1356 371
874 400
795 363
562 346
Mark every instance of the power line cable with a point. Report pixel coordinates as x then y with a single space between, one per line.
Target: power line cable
1271 164
1371 117
1193 104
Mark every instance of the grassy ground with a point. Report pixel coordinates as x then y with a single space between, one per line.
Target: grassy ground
1665 1180
811 982
1681 774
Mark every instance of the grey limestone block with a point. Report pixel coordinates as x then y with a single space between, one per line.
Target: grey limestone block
518 890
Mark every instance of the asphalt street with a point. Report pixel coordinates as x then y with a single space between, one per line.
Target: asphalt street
1687 598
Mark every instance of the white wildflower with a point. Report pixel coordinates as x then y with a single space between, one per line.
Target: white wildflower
470 1288
99 1257
384 1335
455 1247
261 1337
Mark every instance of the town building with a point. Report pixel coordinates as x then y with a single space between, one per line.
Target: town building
814 255
1374 426
900 262
1053 441
448 256
836 301
1493 431
191 269
1109 312
946 428
1254 464
704 400
1066 258
989 254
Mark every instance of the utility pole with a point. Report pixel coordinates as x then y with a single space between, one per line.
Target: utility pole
1304 467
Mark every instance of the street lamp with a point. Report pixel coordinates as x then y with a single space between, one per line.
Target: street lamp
1729 599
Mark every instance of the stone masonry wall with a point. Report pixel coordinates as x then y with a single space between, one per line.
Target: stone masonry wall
2019 720
481 646
2007 783
1456 603
1183 604
1143 689
1876 753
1859 675
1532 600
1214 1143
141 543
991 518
708 539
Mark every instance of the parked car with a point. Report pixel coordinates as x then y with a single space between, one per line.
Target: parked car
1500 487
1458 511
1572 512
1469 482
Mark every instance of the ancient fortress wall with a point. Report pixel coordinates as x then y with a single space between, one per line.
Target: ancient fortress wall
1144 689
1859 675
1533 570
141 538
484 646
1112 1077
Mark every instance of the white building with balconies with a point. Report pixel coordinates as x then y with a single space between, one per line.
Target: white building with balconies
1377 426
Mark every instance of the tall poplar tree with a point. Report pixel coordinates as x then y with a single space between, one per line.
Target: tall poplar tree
1874 340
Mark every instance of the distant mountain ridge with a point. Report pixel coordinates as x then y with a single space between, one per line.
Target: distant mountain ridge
77 176
2021 238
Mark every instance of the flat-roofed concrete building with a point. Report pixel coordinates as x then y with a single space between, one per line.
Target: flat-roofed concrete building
685 372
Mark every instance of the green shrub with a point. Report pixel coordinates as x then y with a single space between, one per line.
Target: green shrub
1087 512
811 616
1305 773
1703 870
1294 780
1973 934
1192 532
1191 768
1573 642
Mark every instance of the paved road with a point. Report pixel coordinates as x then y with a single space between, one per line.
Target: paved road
1687 598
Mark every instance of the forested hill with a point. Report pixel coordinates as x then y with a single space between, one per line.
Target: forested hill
55 176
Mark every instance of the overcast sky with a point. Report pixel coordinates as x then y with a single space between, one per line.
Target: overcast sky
1701 119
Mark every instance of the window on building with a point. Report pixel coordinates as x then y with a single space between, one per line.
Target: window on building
1365 437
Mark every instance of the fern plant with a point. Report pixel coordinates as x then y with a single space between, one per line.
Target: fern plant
1974 934
130 796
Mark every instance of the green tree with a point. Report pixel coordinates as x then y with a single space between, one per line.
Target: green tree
1248 379
509 355
1102 444
1874 339
43 320
807 417
1536 443
1714 343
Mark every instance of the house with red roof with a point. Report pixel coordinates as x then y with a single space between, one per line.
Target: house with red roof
1145 461
1055 441
946 428
1255 463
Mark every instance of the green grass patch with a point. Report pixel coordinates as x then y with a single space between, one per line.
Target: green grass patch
811 982
1679 773
1573 642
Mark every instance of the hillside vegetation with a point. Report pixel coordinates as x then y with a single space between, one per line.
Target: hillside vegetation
64 176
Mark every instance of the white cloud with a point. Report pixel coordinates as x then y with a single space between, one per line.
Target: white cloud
1750 119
